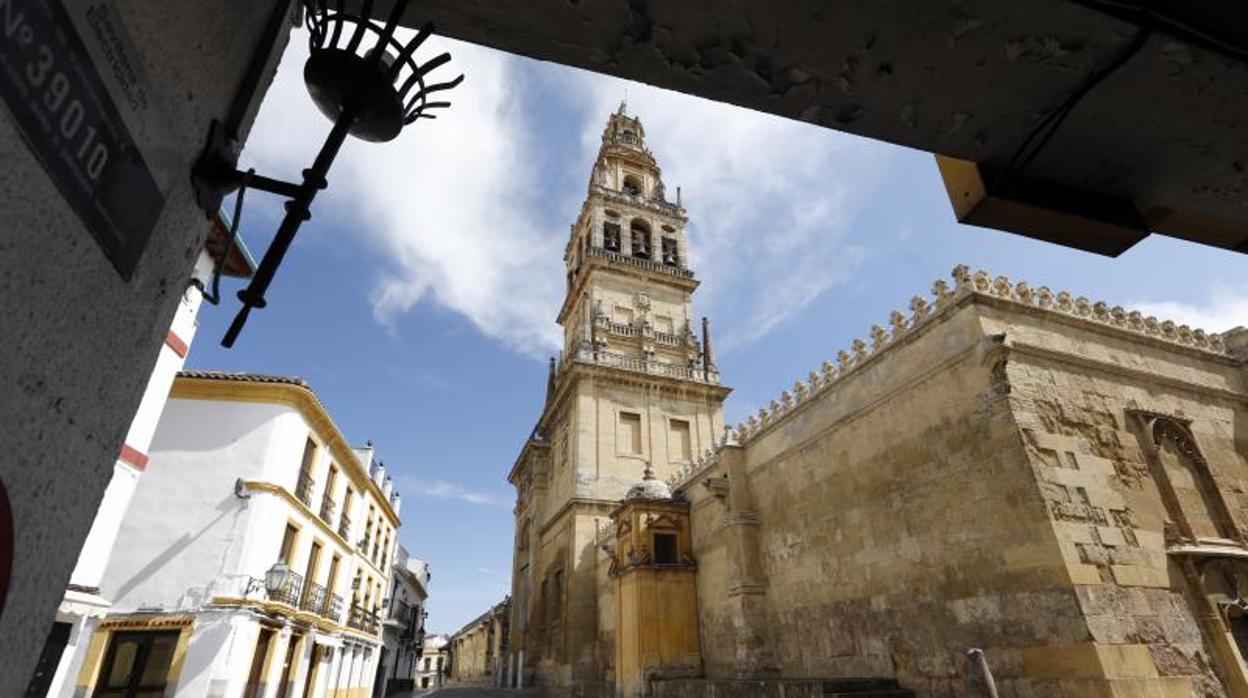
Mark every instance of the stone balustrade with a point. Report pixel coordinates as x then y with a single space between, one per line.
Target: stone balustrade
646 264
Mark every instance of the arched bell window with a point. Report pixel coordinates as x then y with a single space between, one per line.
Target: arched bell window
632 185
639 232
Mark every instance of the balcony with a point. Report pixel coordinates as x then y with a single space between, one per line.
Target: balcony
328 508
647 264
318 600
642 365
303 488
360 619
344 526
291 592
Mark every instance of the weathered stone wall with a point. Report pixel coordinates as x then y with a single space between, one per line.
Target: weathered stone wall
899 525
1043 478
1073 392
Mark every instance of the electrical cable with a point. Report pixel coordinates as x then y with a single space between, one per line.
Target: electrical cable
214 296
1049 126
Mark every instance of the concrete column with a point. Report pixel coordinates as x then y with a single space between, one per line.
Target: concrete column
747 584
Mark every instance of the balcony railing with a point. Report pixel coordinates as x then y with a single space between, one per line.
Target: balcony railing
303 488
314 596
318 600
661 368
622 329
669 338
291 592
327 509
344 526
361 619
647 264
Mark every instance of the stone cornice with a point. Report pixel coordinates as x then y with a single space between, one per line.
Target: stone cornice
592 264
309 406
607 505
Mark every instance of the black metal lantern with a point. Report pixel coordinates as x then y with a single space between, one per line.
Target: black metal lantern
363 79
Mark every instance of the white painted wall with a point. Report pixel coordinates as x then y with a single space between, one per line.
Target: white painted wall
103 534
185 529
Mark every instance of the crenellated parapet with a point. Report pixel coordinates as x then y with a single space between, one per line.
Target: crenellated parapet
944 295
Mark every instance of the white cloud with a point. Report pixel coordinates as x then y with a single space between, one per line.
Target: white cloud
449 203
1226 308
770 201
452 207
441 489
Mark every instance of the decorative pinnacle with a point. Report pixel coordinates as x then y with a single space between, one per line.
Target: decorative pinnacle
648 474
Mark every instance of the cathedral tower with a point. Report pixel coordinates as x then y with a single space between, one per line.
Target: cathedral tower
635 387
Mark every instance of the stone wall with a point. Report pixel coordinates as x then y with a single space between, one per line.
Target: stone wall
899 525
984 475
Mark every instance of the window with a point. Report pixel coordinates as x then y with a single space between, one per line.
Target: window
632 185
670 255
303 486
611 236
332 578
678 447
663 323
137 664
314 561
665 549
639 231
628 437
287 552
623 315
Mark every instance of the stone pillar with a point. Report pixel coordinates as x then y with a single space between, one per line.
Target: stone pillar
747 586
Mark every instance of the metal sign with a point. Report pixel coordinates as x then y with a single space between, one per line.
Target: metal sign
74 86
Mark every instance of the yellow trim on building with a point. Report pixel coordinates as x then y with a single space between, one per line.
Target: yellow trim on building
302 399
292 500
88 674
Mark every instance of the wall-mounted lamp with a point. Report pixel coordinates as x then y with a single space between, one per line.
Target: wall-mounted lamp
361 77
274 580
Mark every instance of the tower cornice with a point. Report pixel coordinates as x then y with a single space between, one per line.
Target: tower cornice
646 270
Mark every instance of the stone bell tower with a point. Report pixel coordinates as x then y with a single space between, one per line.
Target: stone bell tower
635 384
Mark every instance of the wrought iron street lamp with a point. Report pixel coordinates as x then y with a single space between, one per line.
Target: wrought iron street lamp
276 579
363 79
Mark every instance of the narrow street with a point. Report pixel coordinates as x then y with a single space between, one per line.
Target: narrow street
474 692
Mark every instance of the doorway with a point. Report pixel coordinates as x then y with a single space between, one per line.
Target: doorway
136 664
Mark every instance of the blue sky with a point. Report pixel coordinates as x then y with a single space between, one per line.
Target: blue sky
419 301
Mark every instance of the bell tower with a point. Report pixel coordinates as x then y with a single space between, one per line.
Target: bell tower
635 384
629 285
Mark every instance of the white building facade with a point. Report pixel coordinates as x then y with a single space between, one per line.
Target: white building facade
431 669
254 558
403 628
82 600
